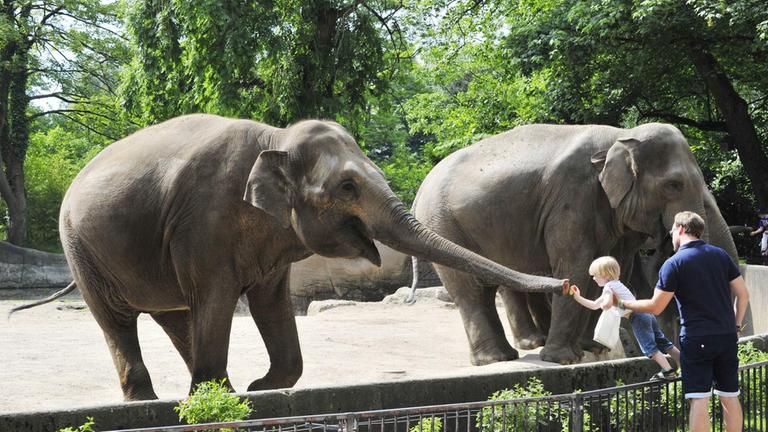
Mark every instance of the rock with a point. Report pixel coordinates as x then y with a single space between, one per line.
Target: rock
30 268
317 307
429 294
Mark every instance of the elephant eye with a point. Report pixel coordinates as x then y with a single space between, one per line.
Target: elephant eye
348 187
674 186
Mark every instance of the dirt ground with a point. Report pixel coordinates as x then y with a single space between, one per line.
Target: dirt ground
54 356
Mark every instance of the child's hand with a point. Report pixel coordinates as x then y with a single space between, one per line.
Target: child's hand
575 291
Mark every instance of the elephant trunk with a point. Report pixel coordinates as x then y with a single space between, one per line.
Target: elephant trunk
398 229
719 234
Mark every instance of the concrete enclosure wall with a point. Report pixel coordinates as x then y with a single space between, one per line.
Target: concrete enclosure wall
364 397
29 268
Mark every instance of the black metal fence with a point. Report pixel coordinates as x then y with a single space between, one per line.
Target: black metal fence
647 406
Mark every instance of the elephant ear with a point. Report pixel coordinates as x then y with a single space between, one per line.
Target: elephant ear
269 187
619 170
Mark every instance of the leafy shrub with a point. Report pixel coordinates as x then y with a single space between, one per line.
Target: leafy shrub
430 424
749 354
522 416
86 427
212 402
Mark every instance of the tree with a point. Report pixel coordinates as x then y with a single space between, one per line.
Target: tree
700 64
64 51
275 61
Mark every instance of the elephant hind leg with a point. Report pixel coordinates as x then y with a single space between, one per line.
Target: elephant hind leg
176 325
526 334
119 328
116 319
477 305
272 310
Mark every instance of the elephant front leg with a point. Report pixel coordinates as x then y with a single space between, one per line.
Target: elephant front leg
524 330
272 310
569 318
477 305
211 325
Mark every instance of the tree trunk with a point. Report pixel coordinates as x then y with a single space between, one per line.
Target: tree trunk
14 141
319 63
738 122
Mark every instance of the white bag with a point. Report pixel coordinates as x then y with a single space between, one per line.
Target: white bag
607 328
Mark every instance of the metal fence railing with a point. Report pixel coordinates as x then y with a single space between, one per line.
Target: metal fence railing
647 406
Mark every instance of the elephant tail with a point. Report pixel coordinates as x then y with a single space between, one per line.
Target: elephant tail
71 287
412 297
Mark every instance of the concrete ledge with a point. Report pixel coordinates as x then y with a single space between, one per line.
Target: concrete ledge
372 396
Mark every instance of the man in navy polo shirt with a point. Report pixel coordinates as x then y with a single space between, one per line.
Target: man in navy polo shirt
701 278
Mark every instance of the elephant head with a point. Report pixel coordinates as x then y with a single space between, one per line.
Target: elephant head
316 180
649 174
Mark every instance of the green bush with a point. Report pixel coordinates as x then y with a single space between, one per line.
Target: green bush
86 427
520 416
212 402
749 354
431 424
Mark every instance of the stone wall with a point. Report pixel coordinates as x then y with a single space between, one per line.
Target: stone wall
30 268
467 387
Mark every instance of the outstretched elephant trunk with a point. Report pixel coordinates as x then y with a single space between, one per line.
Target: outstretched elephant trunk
719 234
398 229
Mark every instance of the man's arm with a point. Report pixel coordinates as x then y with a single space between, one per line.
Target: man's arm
654 305
739 290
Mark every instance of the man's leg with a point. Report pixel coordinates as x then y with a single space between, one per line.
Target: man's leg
696 367
698 420
732 413
726 378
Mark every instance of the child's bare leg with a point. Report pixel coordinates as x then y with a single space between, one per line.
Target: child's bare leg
659 358
675 354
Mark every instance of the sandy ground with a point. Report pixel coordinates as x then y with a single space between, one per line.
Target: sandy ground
54 356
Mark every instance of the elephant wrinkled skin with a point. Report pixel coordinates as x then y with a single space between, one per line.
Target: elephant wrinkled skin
179 219
547 199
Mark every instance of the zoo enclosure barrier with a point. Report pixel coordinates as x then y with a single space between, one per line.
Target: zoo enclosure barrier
647 406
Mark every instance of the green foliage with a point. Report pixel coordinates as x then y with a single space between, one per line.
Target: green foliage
212 402
521 416
748 354
278 62
430 424
54 158
405 172
86 427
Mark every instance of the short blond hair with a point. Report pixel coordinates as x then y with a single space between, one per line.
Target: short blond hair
692 223
606 267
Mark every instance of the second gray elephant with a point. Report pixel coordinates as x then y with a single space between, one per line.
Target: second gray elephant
547 200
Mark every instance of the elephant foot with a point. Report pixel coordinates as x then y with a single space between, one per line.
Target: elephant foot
532 341
274 381
561 354
593 347
139 395
488 355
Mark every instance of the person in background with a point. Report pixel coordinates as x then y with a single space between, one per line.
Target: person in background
762 228
605 271
702 278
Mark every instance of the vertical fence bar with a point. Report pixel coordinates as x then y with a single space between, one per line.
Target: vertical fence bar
577 413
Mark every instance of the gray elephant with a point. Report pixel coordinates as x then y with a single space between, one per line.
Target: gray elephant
179 219
547 200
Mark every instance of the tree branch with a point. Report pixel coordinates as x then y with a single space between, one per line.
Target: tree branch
705 125
73 119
